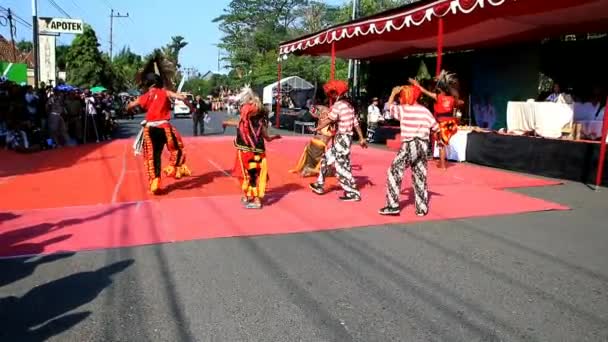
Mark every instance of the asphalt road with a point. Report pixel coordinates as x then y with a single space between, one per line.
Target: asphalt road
532 277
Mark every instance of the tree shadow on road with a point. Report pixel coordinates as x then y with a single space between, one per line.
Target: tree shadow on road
45 310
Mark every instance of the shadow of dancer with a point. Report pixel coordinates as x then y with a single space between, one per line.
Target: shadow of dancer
41 313
193 182
274 195
12 270
18 241
5 216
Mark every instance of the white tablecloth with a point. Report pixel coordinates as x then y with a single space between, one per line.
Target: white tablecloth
457 149
592 129
547 119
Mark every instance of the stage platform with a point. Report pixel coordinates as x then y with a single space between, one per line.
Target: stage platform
95 197
564 159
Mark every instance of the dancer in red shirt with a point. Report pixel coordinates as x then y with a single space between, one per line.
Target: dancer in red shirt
157 131
446 102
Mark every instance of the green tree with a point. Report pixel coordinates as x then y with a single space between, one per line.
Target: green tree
125 66
173 49
369 7
61 53
25 46
86 66
253 29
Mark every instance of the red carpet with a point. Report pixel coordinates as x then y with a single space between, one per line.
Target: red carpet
95 197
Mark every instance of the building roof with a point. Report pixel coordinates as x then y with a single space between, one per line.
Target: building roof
6 53
467 24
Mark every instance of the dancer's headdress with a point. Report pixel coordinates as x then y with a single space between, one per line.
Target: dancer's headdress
409 95
336 86
251 106
250 102
446 81
159 71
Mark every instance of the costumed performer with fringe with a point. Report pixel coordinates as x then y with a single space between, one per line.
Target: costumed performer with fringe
343 114
446 102
251 137
416 123
310 161
156 132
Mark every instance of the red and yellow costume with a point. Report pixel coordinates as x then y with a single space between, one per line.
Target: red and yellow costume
444 112
309 163
158 132
251 166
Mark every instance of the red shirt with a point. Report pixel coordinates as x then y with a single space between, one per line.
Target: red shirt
444 105
156 104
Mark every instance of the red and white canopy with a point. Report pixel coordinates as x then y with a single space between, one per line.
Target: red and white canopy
467 24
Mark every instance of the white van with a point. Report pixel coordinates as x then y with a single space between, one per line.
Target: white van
180 108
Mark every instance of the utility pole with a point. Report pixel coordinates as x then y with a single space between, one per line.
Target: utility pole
12 30
35 41
353 64
112 16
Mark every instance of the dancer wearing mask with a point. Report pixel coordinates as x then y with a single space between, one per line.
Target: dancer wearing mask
310 161
251 137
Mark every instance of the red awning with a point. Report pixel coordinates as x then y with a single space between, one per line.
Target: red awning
467 24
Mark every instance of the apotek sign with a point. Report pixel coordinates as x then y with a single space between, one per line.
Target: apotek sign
60 25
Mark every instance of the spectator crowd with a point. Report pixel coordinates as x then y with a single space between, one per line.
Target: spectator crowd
37 119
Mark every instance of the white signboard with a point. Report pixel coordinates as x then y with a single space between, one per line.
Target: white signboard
60 25
47 60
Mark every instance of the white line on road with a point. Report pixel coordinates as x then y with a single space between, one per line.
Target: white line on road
121 177
219 167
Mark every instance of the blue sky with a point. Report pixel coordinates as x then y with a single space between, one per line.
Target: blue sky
151 24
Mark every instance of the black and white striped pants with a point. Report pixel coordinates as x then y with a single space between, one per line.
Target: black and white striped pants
411 154
339 155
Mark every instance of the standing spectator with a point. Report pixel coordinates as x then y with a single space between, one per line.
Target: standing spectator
198 117
57 128
373 117
91 113
32 103
74 115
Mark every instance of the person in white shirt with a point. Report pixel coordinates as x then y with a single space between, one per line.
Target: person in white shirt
557 92
373 117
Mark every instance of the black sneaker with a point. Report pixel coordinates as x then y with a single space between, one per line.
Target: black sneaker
350 198
421 214
389 211
317 188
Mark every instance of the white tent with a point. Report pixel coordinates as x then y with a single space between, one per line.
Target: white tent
287 85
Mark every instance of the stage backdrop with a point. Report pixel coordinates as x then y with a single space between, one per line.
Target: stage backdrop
503 75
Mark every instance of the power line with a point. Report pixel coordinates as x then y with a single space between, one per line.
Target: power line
57 7
112 16
18 18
